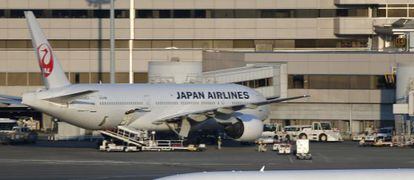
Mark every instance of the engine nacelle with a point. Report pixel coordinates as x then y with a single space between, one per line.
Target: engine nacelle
247 128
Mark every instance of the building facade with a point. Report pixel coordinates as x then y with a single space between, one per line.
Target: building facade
185 29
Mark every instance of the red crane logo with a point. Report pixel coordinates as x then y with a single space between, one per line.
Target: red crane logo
45 55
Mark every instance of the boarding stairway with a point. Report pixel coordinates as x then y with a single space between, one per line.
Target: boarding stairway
139 138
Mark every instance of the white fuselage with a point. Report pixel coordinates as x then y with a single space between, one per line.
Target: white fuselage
354 174
106 107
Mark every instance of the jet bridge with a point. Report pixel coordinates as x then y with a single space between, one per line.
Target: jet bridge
403 108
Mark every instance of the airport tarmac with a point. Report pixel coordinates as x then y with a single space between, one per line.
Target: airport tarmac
81 160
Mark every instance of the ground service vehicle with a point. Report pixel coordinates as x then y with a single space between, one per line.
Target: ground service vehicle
368 135
302 149
17 134
385 133
284 149
320 131
292 132
274 130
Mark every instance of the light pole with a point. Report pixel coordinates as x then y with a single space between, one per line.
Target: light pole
112 42
131 37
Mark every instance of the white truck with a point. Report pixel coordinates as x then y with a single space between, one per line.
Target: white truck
381 137
272 133
292 132
320 131
275 131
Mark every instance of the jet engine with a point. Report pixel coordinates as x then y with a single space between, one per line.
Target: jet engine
247 128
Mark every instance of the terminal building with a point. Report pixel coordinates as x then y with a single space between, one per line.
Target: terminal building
341 52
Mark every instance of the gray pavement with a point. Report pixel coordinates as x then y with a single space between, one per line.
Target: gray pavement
81 160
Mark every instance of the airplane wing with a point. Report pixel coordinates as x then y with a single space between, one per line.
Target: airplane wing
278 100
225 109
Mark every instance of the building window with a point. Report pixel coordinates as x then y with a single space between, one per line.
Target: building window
17 13
306 13
363 82
3 79
305 43
394 10
79 14
341 12
161 44
164 14
81 77
144 14
268 13
182 14
200 14
397 13
122 77
324 13
222 44
122 13
257 83
142 44
245 14
318 82
35 79
381 13
182 43
284 44
296 81
61 13
360 82
79 44
203 44
358 12
41 13
338 82
243 44
223 14
381 82
18 44
17 79
101 13
284 13
140 77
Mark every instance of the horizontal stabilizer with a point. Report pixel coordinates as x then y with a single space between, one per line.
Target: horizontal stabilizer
17 98
64 98
10 100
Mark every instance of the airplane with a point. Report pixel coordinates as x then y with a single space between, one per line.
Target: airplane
154 107
355 174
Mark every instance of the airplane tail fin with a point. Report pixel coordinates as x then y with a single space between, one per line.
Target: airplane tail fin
52 73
